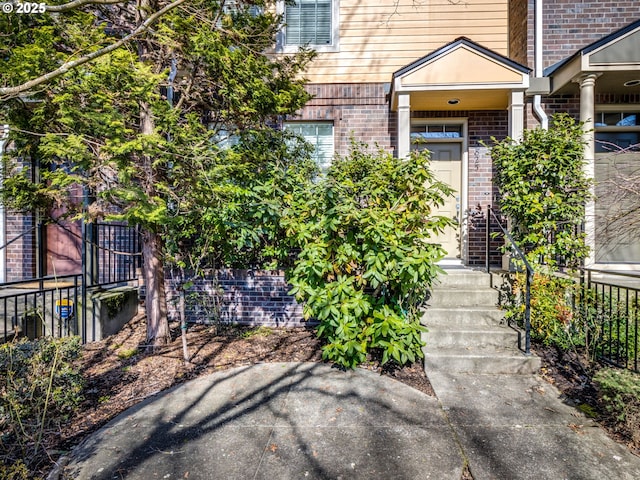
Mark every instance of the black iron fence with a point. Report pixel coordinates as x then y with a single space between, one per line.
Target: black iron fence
40 307
610 304
59 305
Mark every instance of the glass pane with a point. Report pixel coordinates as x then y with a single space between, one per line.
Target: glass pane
611 119
320 135
616 141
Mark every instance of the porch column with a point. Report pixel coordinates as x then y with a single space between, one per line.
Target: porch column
587 101
404 125
516 114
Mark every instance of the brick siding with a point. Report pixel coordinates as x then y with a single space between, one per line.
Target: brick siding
518 31
358 111
246 297
568 26
21 254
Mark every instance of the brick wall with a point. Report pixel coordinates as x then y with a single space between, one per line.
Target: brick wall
569 25
482 191
518 30
247 297
20 255
360 111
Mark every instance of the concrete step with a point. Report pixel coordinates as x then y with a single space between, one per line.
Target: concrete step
458 316
464 277
463 296
466 330
479 336
470 360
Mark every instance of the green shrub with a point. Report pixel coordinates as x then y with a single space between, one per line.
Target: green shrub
368 254
544 189
40 387
552 318
620 394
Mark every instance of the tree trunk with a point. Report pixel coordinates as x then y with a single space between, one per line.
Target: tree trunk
156 300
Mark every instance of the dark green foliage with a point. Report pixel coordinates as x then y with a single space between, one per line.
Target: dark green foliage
233 219
620 393
40 387
110 130
367 258
543 190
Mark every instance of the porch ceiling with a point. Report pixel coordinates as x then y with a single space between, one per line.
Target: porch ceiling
468 99
459 76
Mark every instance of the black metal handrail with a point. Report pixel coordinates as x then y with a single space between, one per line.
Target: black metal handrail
529 279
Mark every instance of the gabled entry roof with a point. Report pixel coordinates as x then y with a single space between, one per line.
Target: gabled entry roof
616 56
479 78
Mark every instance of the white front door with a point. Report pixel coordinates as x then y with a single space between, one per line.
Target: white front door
446 164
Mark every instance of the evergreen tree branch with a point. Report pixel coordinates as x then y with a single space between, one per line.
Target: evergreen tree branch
6 92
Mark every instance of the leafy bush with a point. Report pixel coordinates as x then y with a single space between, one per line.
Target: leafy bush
620 393
544 190
40 387
552 318
366 233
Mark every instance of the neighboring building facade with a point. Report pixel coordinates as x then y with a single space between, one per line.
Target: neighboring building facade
454 74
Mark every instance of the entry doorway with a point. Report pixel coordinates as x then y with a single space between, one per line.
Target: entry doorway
446 145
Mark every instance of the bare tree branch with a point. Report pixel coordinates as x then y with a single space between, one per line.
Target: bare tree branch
6 92
79 3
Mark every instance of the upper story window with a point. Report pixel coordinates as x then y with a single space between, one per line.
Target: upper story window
617 130
312 23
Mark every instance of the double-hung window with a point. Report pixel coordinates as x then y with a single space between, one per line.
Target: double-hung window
311 22
320 135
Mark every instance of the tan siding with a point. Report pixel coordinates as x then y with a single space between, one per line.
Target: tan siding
377 39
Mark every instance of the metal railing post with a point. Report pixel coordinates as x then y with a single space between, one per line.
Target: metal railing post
487 238
529 280
527 314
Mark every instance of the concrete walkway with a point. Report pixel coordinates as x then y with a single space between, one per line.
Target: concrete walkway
306 420
517 427
276 421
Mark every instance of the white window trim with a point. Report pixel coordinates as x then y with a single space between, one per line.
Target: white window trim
282 47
